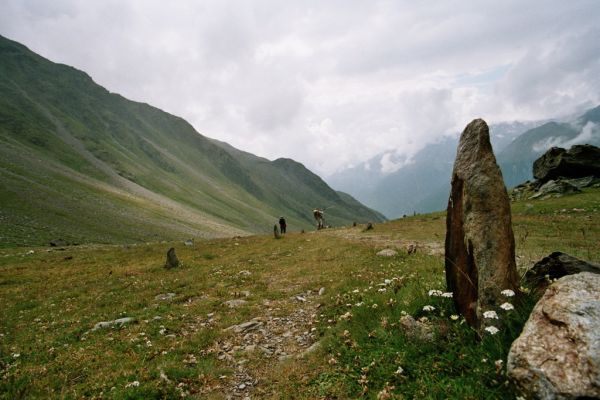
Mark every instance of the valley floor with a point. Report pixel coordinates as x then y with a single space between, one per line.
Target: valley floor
311 315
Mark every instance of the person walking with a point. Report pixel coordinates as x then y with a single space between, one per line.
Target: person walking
282 225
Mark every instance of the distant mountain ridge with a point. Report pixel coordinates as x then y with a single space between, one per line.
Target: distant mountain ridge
423 183
87 165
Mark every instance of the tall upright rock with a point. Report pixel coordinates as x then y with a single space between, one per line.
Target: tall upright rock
480 244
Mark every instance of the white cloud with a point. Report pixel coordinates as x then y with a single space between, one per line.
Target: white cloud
327 83
589 133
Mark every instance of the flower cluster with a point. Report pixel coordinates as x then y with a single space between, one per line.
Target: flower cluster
491 314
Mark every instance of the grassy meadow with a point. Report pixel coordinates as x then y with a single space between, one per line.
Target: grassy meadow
178 344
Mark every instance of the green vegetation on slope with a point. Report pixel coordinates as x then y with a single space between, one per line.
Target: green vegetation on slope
51 298
67 143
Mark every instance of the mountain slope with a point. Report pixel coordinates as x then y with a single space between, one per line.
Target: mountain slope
87 165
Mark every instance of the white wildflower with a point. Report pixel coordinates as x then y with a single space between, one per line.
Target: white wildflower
507 306
492 330
454 317
387 281
359 304
435 293
508 293
133 384
490 314
355 291
346 316
16 355
428 308
447 294
382 290
374 305
399 371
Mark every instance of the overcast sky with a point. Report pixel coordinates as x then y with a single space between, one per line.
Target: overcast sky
328 83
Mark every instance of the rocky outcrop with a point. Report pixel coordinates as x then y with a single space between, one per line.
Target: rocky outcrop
577 162
480 245
555 266
558 354
554 188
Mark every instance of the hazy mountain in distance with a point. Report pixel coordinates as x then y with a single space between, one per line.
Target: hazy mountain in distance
85 165
418 185
516 159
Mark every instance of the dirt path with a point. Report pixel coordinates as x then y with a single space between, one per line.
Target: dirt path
268 339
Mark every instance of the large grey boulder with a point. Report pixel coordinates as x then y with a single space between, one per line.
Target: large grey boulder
557 355
480 244
577 162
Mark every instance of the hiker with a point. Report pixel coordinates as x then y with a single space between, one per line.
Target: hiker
282 225
318 214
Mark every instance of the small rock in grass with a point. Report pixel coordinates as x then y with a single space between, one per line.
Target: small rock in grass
164 296
235 303
108 324
387 253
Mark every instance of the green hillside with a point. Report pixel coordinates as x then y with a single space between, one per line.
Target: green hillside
85 165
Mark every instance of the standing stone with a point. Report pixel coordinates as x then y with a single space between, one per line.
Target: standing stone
276 232
172 261
557 355
480 245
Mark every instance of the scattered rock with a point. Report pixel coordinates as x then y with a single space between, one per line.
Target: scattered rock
246 326
117 322
416 329
189 242
312 348
480 244
580 183
300 299
164 296
555 266
172 260
235 303
411 248
577 162
387 253
321 291
557 355
555 189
